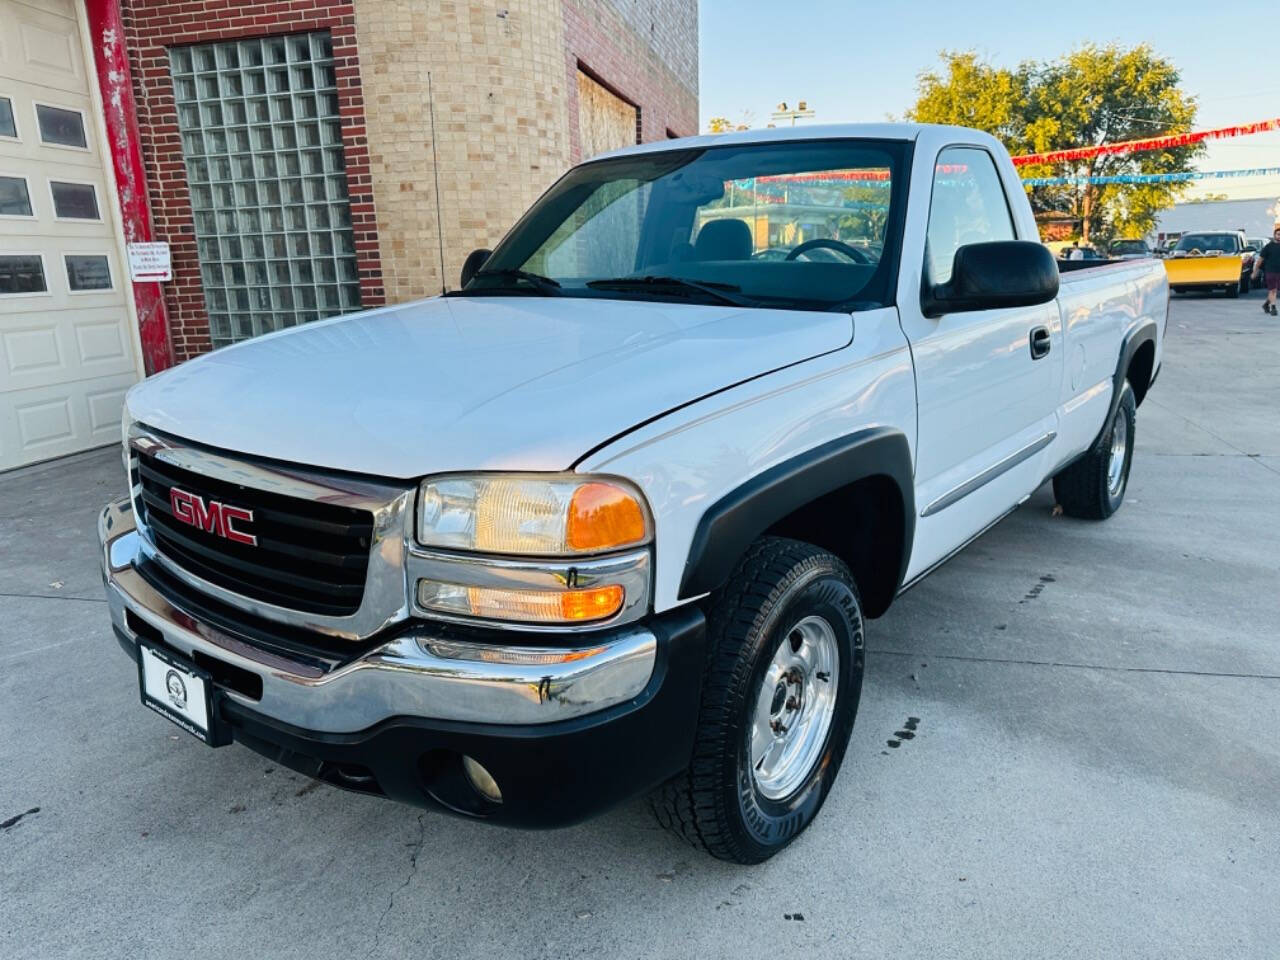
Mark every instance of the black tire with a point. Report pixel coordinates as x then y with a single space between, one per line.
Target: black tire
1084 489
1233 290
716 804
1244 284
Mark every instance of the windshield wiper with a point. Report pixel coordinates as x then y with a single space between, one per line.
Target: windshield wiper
542 284
723 292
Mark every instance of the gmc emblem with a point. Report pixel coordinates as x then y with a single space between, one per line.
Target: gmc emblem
211 517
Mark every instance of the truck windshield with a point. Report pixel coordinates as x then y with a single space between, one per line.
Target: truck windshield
1203 242
808 225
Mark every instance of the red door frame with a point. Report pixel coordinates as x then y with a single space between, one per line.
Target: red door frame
106 37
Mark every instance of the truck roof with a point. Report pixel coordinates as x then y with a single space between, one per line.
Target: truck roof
829 131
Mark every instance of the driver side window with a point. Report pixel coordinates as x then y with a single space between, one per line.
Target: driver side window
968 206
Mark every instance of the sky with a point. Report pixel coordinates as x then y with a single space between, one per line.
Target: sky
858 61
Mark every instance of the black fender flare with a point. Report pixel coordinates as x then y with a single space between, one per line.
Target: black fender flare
741 516
1143 333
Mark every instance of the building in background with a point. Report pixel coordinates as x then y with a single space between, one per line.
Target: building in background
300 158
1257 218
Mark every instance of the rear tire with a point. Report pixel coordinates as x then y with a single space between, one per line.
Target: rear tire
1093 487
1233 290
783 680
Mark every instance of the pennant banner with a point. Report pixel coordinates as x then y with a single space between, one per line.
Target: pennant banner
1153 177
1154 143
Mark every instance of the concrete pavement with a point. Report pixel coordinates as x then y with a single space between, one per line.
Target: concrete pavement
1095 772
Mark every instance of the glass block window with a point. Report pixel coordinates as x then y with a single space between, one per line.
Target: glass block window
267 177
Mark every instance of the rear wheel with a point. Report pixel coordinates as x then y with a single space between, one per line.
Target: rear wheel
779 699
1233 290
1093 487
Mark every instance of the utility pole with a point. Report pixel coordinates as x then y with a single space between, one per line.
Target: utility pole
802 112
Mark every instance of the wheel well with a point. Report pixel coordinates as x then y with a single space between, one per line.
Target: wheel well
862 524
1140 370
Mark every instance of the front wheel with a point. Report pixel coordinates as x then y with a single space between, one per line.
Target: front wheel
1233 290
1093 487
783 681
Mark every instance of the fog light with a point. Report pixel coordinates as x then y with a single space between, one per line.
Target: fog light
481 780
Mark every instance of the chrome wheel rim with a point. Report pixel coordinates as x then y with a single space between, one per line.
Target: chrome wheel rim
1119 453
794 708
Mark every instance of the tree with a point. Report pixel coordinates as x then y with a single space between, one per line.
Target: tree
1091 96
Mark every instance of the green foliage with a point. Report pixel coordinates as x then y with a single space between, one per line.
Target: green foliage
1091 96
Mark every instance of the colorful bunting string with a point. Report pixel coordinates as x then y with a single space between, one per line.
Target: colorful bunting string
1153 177
1151 143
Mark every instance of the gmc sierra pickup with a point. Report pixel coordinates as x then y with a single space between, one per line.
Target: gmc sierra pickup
609 519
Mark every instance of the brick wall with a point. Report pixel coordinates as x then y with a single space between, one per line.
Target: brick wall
151 26
646 51
494 72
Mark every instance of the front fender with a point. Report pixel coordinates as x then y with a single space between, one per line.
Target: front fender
740 517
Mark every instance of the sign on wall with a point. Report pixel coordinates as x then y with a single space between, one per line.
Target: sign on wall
149 262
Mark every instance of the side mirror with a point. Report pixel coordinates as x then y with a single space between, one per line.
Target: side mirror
987 276
471 266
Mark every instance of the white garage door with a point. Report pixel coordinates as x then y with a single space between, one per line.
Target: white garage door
66 351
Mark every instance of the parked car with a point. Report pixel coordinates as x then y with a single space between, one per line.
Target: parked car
1210 260
1128 249
611 518
1256 244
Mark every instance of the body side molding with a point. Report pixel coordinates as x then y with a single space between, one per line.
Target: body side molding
730 524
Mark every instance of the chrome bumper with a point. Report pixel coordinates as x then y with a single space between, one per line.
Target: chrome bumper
418 673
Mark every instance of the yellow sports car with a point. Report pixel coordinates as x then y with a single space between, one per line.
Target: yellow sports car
1213 261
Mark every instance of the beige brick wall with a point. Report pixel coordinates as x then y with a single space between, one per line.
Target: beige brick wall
503 80
497 81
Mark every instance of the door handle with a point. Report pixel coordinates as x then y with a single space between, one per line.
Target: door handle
1040 342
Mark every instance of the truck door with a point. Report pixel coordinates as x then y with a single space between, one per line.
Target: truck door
986 380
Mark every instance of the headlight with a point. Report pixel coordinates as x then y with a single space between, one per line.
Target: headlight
538 550
530 515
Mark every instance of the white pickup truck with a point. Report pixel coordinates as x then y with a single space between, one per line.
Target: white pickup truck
609 519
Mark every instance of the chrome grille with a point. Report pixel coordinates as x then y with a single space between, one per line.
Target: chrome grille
310 556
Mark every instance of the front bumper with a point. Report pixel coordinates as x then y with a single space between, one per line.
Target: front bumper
566 737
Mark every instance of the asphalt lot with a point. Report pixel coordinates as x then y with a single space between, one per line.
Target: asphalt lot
1096 771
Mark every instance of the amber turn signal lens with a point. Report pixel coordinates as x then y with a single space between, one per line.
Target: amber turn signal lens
597 603
602 516
523 606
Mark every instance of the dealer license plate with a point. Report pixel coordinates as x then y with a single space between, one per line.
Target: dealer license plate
179 691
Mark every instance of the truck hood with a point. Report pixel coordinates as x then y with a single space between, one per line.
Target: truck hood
471 383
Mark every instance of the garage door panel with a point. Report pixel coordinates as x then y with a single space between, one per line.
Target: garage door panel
101 342
33 351
52 421
59 295
42 47
24 98
42 422
64 347
105 408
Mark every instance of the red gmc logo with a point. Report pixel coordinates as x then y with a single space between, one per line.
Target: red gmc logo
211 517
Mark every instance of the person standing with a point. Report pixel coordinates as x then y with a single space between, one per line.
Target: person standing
1268 261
